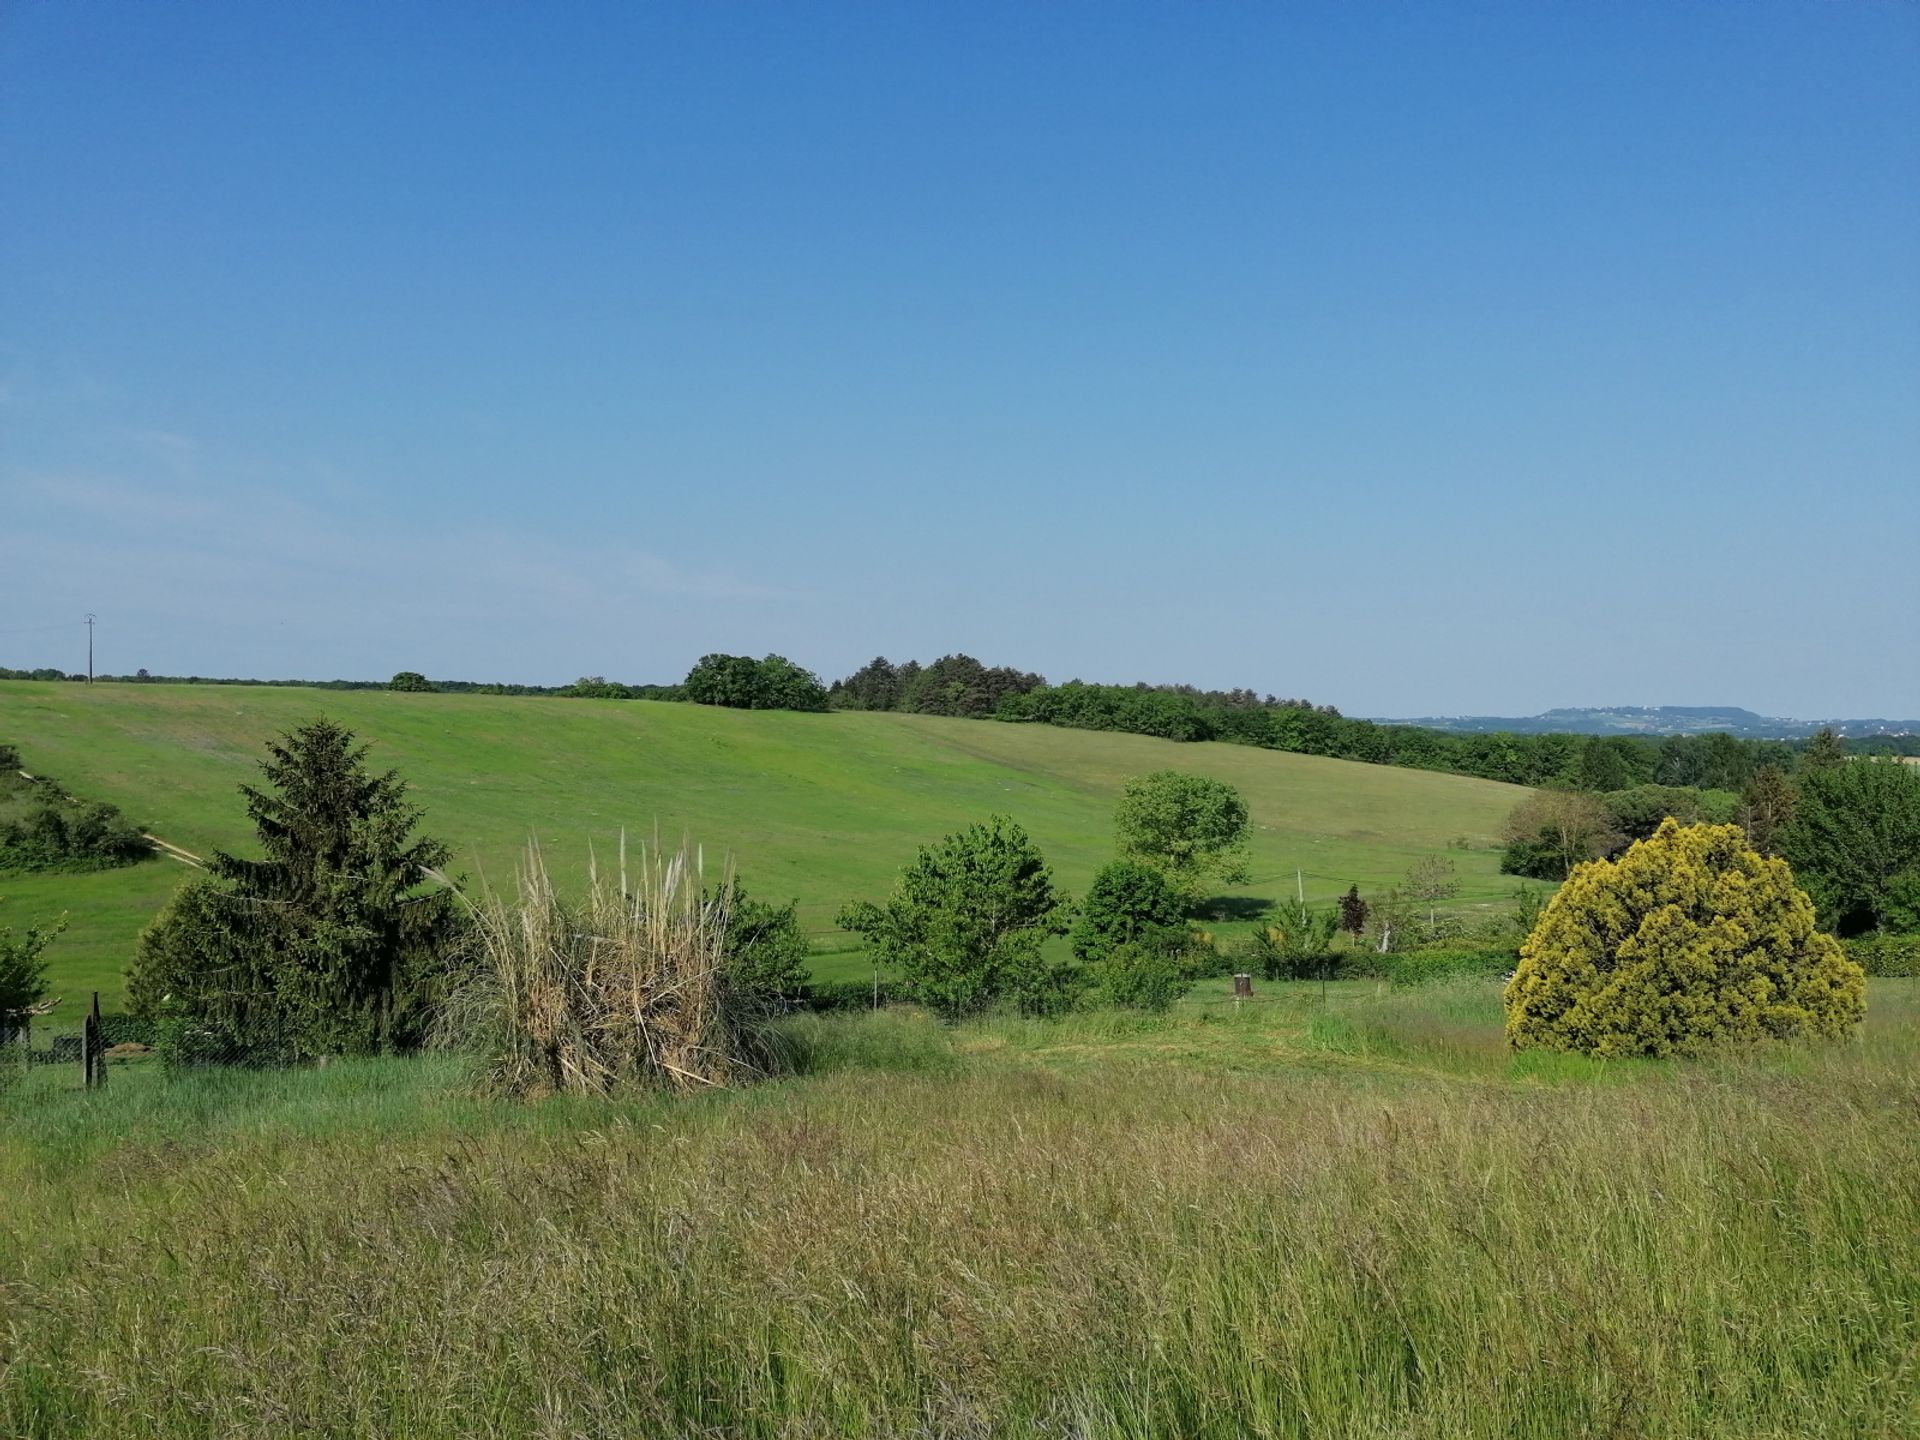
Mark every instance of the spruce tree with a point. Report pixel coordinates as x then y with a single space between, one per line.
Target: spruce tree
328 943
1824 751
1766 808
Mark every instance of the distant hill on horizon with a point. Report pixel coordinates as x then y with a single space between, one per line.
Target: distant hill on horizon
1659 720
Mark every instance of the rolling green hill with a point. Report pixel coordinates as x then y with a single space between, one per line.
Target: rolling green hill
822 807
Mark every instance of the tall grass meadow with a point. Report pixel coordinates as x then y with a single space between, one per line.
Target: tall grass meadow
1012 1228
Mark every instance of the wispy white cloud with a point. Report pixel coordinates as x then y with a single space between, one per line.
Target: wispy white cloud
198 565
184 520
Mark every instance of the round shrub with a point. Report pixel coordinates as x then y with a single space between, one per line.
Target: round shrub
1128 903
1688 941
1140 976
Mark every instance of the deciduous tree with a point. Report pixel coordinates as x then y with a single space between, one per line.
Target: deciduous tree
966 923
1191 828
1551 831
1128 904
1432 880
1853 840
23 974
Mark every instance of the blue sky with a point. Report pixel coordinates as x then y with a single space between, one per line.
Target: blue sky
1413 358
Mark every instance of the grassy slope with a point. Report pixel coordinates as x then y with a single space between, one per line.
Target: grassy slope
823 807
1364 1220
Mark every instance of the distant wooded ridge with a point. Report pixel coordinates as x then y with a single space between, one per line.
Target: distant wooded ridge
1658 720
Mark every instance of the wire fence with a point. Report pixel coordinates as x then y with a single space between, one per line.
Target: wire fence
54 1054
87 1051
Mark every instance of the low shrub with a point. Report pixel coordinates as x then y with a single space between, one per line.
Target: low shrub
767 952
57 835
1297 945
1140 975
1888 956
1424 967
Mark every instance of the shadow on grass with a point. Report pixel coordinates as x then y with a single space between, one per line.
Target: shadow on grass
1225 908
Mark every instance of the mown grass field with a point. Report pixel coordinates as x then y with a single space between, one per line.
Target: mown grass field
822 807
1352 1217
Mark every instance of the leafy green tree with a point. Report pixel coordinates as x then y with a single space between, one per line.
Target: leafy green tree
1607 763
766 951
1854 837
410 680
1551 831
1901 914
951 685
729 680
740 682
967 921
783 685
329 944
1191 828
1432 880
1689 941
597 687
1637 812
23 974
1393 923
961 685
1128 904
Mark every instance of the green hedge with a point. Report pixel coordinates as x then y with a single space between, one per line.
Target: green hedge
128 1029
1421 967
1888 956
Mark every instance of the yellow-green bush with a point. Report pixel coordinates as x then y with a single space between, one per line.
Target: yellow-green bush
1688 941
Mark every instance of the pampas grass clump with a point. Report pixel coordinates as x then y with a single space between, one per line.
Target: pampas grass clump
624 990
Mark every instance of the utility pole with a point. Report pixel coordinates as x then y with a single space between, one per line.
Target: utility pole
89 647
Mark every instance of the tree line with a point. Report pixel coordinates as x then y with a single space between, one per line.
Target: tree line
1848 825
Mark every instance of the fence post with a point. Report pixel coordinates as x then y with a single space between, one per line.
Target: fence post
93 1054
